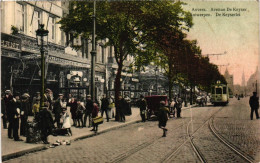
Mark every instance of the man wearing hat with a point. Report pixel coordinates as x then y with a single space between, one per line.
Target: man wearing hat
14 115
254 104
25 107
48 99
178 107
57 110
7 99
88 111
142 105
46 124
3 112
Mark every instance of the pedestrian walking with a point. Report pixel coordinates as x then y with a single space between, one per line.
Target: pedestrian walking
88 111
3 112
57 110
105 106
79 113
254 104
25 107
66 121
163 117
178 107
142 105
94 115
72 103
121 108
15 110
45 123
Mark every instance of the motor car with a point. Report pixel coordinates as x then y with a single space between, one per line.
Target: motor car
153 104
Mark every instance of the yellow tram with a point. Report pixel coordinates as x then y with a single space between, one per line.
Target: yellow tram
219 94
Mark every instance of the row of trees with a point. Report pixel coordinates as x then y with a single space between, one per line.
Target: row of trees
152 31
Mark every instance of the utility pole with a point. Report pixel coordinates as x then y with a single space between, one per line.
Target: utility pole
93 54
217 54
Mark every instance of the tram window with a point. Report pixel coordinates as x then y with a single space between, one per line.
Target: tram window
218 91
224 90
213 90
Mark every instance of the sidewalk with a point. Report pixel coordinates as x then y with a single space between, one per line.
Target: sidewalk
11 148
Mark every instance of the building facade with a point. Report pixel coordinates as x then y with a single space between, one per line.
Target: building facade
67 70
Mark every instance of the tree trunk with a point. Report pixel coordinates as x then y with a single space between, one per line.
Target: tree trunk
117 89
170 89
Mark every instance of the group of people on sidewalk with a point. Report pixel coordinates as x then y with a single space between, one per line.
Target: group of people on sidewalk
16 108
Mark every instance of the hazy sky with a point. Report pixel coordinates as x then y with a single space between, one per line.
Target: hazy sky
235 30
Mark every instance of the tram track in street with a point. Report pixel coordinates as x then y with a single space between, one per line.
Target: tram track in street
228 143
127 154
170 155
196 150
190 138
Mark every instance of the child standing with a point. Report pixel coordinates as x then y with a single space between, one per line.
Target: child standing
163 117
79 113
66 121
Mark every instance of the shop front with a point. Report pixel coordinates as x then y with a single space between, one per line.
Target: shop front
11 65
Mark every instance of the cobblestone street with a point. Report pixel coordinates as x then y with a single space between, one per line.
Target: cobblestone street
142 142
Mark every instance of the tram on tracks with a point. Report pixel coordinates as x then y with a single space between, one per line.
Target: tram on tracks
219 94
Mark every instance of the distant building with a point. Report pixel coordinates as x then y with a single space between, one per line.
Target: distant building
253 83
230 80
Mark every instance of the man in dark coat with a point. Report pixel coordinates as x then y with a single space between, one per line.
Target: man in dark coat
142 105
48 99
105 106
254 104
7 100
25 106
57 110
3 111
8 97
122 105
178 107
14 116
163 117
88 112
45 123
128 110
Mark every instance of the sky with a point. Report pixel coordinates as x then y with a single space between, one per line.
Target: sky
230 28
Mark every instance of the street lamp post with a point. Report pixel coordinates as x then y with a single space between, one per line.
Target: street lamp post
42 39
156 74
93 54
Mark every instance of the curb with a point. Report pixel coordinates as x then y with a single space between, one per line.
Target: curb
45 147
105 130
23 152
